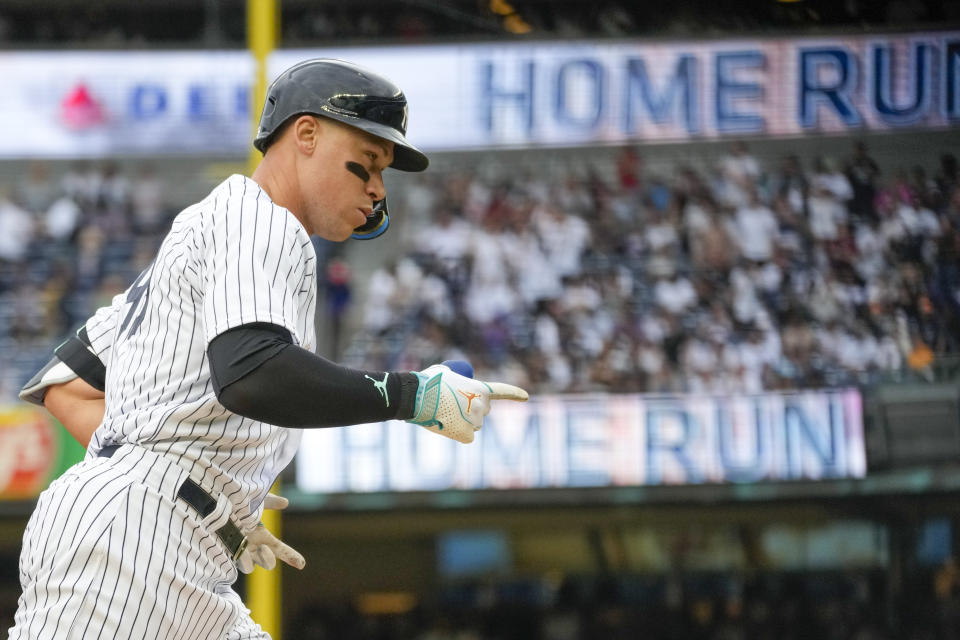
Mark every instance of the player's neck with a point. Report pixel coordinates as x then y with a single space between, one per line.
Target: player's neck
277 184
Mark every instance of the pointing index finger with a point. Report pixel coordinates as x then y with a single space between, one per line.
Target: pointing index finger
273 501
290 556
504 391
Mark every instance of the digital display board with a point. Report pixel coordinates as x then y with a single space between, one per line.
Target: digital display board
601 441
497 95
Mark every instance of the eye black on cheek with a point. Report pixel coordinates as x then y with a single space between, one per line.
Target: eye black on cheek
358 170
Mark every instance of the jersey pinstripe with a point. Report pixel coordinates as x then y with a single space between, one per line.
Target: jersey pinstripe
231 259
110 551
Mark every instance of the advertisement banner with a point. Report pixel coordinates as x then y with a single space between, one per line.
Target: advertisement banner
92 104
34 450
498 95
599 441
566 94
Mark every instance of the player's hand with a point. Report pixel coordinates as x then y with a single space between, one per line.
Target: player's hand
263 548
453 405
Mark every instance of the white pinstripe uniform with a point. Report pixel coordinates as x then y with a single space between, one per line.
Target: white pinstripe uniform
110 552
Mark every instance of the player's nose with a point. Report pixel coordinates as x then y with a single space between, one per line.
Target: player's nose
375 187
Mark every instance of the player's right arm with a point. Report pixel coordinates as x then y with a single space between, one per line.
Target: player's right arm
78 406
71 386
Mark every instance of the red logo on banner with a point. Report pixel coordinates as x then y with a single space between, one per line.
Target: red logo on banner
28 450
79 109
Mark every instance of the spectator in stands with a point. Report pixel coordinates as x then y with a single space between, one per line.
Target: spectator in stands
674 293
827 176
17 229
756 229
564 237
791 298
739 164
491 291
826 214
863 173
948 175
82 183
62 219
337 287
37 191
792 185
147 201
741 277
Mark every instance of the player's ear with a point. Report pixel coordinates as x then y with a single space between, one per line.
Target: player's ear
306 133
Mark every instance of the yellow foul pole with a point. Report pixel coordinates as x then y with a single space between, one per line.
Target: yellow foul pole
263 587
262 26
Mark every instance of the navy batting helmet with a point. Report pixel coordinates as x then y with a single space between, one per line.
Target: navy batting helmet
344 92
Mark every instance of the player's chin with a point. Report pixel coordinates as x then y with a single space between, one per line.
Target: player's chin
354 222
342 234
335 233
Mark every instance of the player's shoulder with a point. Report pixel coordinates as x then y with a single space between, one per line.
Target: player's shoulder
241 191
240 201
238 209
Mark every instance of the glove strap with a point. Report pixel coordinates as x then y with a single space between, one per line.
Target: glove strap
427 400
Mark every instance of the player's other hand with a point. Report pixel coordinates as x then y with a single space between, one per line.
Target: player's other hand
454 405
263 548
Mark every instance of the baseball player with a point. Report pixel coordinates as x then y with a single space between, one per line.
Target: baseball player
196 381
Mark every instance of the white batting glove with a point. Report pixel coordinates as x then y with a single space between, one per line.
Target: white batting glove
453 405
263 548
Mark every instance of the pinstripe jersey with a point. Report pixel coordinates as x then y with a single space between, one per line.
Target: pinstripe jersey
231 259
110 551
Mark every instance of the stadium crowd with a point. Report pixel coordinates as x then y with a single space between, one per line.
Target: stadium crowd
732 276
737 277
850 604
69 243
117 24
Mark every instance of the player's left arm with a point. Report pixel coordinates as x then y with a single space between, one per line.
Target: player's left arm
258 372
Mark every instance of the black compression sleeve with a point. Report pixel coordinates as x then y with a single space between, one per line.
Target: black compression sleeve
259 373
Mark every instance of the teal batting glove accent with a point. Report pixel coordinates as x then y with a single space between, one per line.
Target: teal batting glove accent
453 405
428 400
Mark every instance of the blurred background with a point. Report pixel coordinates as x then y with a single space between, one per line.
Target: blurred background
718 242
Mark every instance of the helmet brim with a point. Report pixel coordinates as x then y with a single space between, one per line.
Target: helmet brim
406 157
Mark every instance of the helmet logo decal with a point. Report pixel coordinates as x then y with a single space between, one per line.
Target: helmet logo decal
386 110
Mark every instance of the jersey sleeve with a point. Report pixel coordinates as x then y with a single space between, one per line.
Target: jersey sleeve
85 355
258 262
101 328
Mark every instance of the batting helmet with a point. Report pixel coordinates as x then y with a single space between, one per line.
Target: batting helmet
344 92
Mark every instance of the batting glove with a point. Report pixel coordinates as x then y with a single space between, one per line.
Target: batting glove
453 405
263 548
